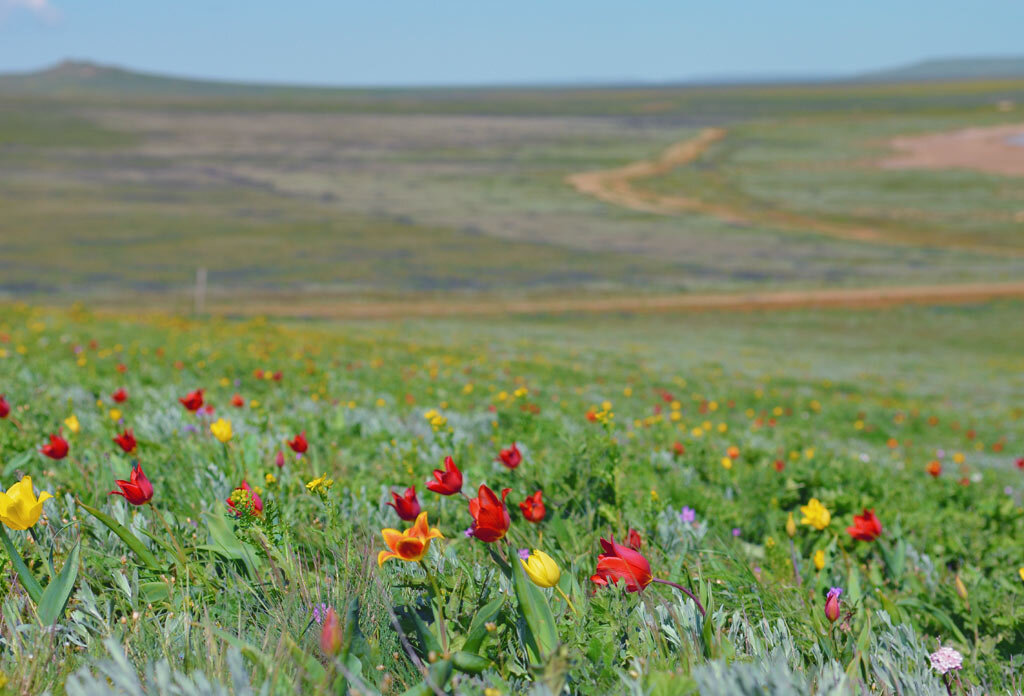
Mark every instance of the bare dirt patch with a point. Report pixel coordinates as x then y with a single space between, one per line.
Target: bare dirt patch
991 150
696 302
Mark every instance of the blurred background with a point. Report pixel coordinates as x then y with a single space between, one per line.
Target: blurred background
341 160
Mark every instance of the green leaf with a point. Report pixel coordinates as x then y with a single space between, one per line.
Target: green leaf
540 622
58 592
18 462
470 663
478 627
125 534
28 580
939 615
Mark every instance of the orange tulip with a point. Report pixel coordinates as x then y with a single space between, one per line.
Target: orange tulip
410 545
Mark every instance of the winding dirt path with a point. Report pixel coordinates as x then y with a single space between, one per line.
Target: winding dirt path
618 187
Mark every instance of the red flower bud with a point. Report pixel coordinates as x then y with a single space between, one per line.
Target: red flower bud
138 490
126 441
533 507
634 540
447 482
192 401
56 449
330 634
407 506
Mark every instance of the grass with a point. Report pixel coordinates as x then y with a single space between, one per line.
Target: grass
816 405
364 193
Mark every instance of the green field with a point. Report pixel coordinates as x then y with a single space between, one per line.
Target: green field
694 437
854 406
116 187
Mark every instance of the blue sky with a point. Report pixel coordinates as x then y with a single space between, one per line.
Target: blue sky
389 42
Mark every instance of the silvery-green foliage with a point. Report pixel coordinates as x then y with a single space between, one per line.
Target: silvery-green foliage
676 536
117 677
770 677
899 660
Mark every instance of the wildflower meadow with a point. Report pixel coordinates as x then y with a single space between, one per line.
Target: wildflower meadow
215 507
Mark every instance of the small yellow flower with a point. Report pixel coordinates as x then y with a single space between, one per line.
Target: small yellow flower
221 429
790 526
320 485
270 479
541 569
115 414
19 507
726 463
72 423
815 514
819 559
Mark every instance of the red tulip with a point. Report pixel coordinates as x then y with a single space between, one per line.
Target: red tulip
120 396
299 444
1020 462
407 506
138 490
237 401
193 401
447 482
122 368
247 498
533 507
279 459
866 526
490 516
634 540
678 448
619 562
57 449
277 376
126 441
934 468
5 408
510 457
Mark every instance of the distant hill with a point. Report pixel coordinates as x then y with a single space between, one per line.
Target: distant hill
939 69
84 78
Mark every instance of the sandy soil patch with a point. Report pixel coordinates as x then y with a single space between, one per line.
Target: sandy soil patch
995 150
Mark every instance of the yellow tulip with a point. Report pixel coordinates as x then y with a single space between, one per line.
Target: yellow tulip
819 559
815 514
221 429
542 569
1020 572
72 423
19 507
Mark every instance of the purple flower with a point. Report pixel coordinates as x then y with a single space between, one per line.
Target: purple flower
524 554
735 531
687 514
319 612
468 532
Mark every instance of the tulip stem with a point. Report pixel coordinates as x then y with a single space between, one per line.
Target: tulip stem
440 606
688 593
566 598
167 528
28 580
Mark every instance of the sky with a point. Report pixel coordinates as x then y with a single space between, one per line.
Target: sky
442 42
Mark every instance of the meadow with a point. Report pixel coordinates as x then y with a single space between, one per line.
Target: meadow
482 492
694 440
127 183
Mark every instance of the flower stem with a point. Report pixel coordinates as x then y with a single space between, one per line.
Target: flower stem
440 606
566 598
167 528
688 593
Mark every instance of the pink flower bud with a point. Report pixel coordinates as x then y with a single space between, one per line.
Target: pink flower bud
330 634
832 604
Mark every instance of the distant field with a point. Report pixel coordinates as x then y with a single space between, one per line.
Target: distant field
116 187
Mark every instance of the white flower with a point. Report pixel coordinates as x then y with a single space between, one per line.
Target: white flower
946 659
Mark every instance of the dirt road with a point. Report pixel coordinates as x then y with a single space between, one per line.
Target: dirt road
698 302
619 187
